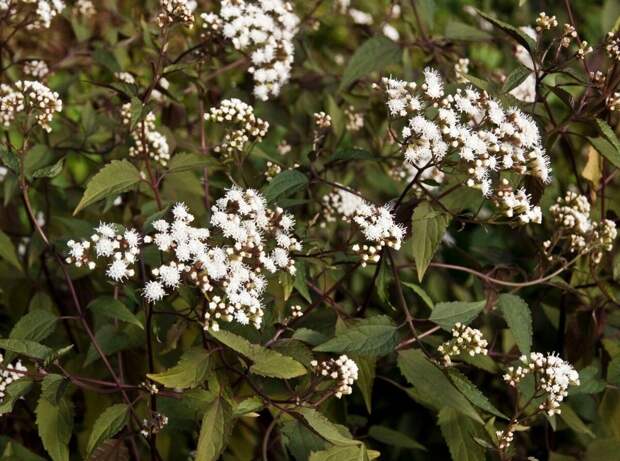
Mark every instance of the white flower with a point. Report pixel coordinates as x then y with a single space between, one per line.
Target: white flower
153 291
343 370
31 97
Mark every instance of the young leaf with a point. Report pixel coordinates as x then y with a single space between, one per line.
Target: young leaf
55 425
7 251
114 309
107 425
390 437
284 184
459 433
517 315
266 362
215 430
446 315
373 336
191 370
427 228
375 54
114 178
433 384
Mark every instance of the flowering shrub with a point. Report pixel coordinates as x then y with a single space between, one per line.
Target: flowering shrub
284 230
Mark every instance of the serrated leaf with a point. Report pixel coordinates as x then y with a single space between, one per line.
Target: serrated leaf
110 450
606 149
354 453
375 54
417 289
116 177
373 336
53 387
472 393
36 325
114 309
50 171
351 153
366 378
107 425
301 283
520 36
13 392
517 314
431 382
456 30
7 251
191 370
285 184
300 440
390 437
55 425
427 228
515 78
186 161
215 430
333 433
266 361
459 433
573 420
249 405
113 339
613 372
26 347
446 315
613 155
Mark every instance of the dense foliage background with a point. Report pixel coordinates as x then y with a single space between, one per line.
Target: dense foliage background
110 376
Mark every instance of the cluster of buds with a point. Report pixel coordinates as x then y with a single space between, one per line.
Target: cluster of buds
296 311
573 225
583 49
154 425
35 68
264 31
517 204
32 98
612 46
461 69
343 370
8 374
84 9
569 34
430 177
241 123
613 102
176 12
122 247
322 121
273 169
506 436
125 77
150 387
552 377
465 340
148 142
355 120
487 139
544 22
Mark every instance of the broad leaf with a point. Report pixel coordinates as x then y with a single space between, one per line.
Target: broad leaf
116 177
55 425
285 184
107 425
517 315
472 393
373 336
448 314
114 309
333 433
374 55
520 36
36 325
26 347
191 370
354 453
459 433
427 229
390 437
7 251
215 431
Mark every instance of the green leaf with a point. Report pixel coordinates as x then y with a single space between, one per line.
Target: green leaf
284 184
373 336
215 430
186 161
390 437
417 289
456 30
191 370
515 78
602 450
459 433
13 392
55 425
26 347
249 405
7 251
114 309
107 425
427 228
607 150
50 171
446 315
301 283
472 393
53 387
433 384
366 378
375 54
613 372
333 433
354 453
517 315
113 339
520 36
351 153
300 440
36 325
613 155
266 362
573 420
116 177
111 450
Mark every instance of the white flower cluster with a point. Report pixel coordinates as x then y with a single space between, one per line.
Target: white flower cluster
544 22
246 127
571 217
32 98
35 68
39 13
176 12
322 120
84 8
465 340
488 139
613 46
506 436
343 370
122 247
407 172
263 30
376 223
552 377
8 374
147 140
154 425
355 120
125 77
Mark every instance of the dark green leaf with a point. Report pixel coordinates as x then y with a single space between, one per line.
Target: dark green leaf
459 433
373 336
191 371
215 430
517 315
26 347
7 251
374 55
114 309
427 228
55 425
284 184
390 437
448 314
